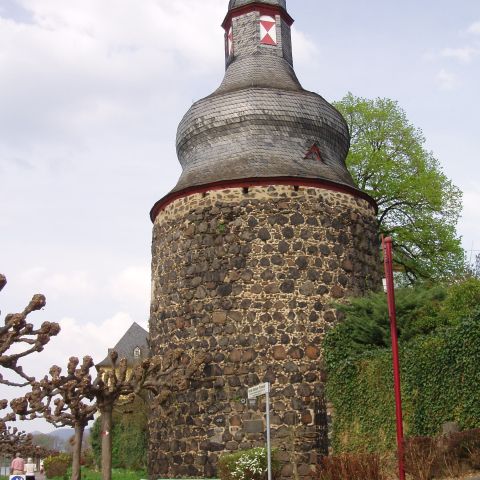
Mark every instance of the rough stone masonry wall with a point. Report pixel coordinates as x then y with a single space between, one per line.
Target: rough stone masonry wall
251 278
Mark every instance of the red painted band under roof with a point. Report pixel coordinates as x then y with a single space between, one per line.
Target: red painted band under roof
254 182
257 7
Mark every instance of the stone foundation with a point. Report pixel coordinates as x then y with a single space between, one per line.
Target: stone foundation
252 276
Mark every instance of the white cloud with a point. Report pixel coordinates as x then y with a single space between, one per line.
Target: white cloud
83 70
464 54
305 50
55 284
74 283
447 80
80 338
32 275
474 28
133 284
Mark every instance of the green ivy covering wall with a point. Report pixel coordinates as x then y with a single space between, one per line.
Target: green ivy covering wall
129 437
440 383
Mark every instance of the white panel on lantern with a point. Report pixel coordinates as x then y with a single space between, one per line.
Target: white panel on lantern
230 41
268 30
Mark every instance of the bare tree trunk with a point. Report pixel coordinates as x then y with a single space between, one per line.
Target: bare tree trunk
77 452
107 414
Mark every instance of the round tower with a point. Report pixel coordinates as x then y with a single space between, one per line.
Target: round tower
263 233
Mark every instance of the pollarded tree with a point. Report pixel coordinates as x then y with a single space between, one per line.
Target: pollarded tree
9 417
160 375
4 429
12 440
418 205
72 404
18 338
19 335
172 373
63 400
112 386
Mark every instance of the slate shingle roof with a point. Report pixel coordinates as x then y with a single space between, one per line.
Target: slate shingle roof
260 122
135 337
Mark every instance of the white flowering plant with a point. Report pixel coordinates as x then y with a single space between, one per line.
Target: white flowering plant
247 465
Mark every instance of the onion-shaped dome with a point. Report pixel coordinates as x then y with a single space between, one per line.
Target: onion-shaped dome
260 123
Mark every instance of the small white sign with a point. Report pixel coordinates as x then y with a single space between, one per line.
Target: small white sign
258 390
18 477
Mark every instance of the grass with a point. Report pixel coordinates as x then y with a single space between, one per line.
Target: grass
117 474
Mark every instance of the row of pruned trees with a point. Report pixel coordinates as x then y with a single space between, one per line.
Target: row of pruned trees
72 398
14 441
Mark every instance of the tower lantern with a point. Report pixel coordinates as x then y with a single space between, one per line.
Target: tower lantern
263 233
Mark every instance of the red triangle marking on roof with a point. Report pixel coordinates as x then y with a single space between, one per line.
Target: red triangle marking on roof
267 25
268 40
314 153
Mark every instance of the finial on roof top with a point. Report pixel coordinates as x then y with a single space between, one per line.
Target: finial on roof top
240 3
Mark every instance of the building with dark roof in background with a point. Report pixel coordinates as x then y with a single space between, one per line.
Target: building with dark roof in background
133 346
263 232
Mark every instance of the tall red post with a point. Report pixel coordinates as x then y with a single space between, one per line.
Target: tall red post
388 260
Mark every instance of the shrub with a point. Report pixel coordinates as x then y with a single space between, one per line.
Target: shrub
351 466
57 465
462 300
247 465
88 458
460 451
421 457
449 455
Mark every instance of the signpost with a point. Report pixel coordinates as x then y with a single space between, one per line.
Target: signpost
258 391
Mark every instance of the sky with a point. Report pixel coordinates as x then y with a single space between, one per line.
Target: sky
92 91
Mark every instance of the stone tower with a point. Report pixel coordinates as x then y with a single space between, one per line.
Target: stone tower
264 231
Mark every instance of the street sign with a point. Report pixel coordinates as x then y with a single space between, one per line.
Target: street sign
17 477
258 390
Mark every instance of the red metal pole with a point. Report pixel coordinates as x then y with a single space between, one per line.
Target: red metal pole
388 258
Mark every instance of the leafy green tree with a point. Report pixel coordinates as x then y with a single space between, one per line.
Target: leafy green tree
418 205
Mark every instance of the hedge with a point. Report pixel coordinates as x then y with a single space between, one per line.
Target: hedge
440 383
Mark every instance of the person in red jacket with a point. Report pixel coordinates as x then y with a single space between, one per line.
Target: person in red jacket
18 465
